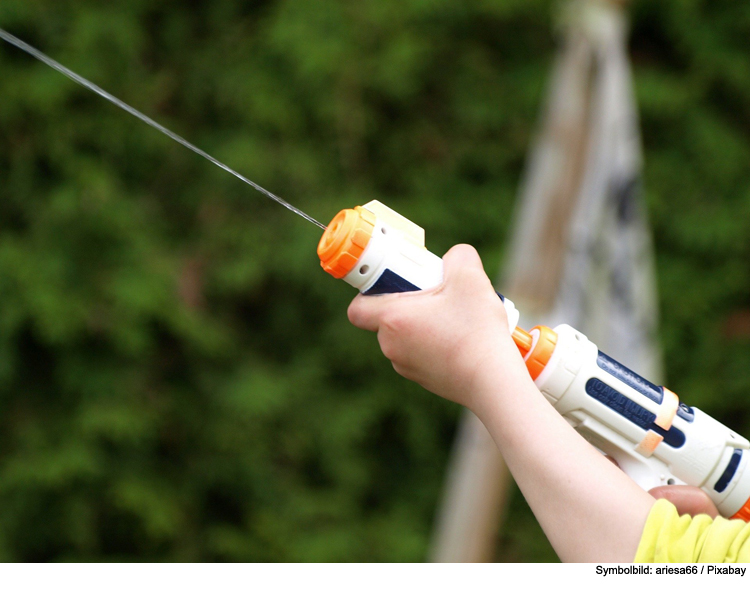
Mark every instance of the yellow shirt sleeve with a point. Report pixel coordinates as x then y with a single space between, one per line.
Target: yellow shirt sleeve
667 537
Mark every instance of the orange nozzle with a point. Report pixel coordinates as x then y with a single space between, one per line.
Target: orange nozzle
523 340
344 240
536 359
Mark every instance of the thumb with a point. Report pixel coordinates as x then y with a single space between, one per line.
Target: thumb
689 500
463 270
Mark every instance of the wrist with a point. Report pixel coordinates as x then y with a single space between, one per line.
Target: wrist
502 386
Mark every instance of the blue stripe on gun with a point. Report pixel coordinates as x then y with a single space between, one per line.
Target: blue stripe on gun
640 384
389 282
731 469
632 411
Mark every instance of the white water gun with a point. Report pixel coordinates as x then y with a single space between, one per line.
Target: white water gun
654 438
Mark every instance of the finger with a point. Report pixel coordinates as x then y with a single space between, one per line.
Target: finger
466 280
365 311
688 500
611 459
463 270
461 257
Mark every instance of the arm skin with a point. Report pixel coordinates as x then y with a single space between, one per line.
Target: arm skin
454 341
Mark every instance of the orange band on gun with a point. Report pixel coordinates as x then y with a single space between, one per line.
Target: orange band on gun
743 513
664 418
535 348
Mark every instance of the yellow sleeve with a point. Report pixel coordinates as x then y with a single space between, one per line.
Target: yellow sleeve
667 537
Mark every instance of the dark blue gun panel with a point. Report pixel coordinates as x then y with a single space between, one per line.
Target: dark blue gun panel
620 403
640 384
674 437
389 282
632 379
729 472
632 411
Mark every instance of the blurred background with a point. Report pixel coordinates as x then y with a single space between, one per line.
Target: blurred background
178 379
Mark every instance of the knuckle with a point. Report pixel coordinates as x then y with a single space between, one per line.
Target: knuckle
396 321
352 313
355 313
403 371
466 250
463 253
388 345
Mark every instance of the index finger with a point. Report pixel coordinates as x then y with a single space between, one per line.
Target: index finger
365 311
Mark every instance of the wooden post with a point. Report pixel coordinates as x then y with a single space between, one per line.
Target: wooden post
574 256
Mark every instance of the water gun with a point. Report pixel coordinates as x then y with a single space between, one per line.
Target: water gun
653 437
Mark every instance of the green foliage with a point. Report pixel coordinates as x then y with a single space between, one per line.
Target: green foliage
691 60
178 380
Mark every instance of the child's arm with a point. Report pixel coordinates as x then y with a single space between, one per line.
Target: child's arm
454 341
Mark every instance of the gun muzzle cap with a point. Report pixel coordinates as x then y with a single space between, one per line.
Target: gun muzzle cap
344 240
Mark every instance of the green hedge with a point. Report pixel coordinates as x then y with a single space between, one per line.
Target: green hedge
178 380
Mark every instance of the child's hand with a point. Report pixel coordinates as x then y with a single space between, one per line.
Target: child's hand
447 356
454 341
688 500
